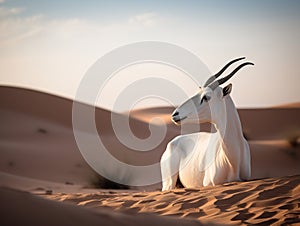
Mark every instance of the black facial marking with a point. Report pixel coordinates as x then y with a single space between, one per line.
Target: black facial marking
205 98
176 113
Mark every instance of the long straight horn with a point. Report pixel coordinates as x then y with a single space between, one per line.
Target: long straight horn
213 77
215 84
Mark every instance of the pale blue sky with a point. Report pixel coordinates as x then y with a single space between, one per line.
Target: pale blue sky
49 45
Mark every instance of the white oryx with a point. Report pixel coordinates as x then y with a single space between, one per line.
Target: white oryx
202 159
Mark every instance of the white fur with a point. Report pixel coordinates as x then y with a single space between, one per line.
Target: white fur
202 159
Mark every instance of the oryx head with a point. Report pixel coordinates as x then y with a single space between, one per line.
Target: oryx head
209 102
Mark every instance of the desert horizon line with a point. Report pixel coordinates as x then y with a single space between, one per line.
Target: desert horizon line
32 89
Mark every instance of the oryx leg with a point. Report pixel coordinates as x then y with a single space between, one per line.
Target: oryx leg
170 163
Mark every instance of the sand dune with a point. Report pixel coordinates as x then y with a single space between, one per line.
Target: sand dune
38 140
270 123
263 202
289 105
21 208
39 154
278 123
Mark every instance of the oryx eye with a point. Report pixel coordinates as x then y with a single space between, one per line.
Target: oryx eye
205 98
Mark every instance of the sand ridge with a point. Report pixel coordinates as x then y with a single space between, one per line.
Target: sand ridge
260 202
22 208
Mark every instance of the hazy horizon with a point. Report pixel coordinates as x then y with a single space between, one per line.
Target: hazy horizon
48 46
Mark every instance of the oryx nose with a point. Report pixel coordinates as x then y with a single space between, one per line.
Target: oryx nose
176 117
175 114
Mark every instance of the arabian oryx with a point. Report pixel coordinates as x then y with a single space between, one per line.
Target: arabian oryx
202 159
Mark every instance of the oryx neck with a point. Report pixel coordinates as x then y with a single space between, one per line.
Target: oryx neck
229 125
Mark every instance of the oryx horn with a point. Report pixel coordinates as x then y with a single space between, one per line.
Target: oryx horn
213 77
215 84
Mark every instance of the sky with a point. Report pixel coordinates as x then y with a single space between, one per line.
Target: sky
50 45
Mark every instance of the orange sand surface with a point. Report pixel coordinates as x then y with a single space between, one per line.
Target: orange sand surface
259 202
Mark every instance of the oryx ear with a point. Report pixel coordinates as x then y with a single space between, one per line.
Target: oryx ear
227 90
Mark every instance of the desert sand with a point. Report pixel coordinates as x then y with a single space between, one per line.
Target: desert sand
267 201
41 167
22 208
